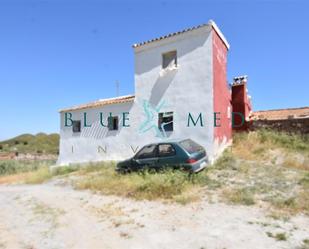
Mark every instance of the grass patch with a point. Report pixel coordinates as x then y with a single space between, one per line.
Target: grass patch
39 176
277 236
10 167
284 140
30 172
164 185
175 185
257 145
239 196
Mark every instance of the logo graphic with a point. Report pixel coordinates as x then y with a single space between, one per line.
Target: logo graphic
151 113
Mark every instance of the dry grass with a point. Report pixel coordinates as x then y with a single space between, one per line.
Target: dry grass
15 171
17 178
270 146
39 176
34 177
294 161
163 185
239 196
264 168
32 174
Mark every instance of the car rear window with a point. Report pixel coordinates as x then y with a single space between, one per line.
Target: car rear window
191 146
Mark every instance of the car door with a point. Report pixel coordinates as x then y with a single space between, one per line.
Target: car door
146 157
167 156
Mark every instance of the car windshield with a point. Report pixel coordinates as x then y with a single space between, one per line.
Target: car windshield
190 146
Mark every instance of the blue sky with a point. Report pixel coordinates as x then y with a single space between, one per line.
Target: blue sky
55 54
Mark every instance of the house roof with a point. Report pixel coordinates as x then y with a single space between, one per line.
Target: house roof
281 114
101 102
211 23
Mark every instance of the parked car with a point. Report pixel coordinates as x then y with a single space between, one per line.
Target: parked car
181 154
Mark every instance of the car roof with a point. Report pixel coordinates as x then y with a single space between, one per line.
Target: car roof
169 141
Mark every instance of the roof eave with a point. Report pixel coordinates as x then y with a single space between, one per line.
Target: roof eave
100 103
210 23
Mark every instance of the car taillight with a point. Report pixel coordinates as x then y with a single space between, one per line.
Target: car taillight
191 160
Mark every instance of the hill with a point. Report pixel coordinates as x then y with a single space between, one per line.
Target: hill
40 143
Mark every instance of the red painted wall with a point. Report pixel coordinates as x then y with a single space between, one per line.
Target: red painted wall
221 91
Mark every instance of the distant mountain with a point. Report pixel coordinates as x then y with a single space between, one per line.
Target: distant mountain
40 143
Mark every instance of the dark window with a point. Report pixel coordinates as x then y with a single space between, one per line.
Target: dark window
76 126
148 151
166 150
113 123
165 121
191 146
169 59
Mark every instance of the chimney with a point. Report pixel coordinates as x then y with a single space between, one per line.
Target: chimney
241 103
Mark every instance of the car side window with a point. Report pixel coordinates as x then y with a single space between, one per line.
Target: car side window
166 150
147 152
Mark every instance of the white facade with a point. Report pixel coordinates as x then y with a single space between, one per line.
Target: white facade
182 89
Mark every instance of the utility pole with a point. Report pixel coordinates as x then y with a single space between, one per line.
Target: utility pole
117 88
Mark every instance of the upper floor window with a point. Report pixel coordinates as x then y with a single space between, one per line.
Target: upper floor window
76 126
169 59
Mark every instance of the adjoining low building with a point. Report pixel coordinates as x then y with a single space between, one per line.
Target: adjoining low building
292 120
181 91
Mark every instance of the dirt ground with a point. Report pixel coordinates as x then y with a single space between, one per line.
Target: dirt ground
55 216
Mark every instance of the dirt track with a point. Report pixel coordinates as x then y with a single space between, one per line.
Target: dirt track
50 216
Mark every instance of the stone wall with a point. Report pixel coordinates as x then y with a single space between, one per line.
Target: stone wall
300 125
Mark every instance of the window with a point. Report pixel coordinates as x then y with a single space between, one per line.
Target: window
166 150
169 59
76 126
113 123
165 121
148 151
191 146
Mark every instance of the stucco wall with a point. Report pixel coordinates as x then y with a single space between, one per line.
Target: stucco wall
186 89
84 146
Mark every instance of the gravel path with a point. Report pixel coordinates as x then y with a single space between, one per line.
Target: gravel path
55 217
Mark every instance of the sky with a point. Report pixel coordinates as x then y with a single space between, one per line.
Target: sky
59 53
